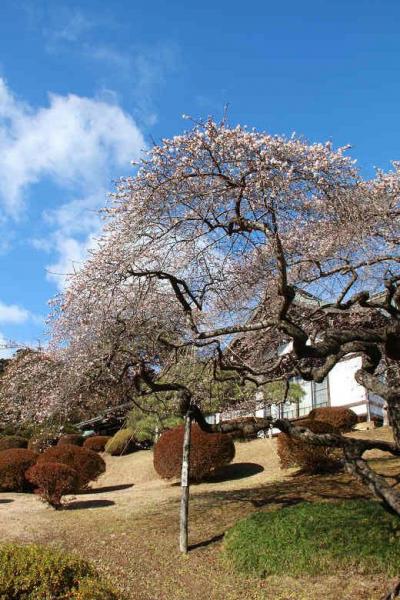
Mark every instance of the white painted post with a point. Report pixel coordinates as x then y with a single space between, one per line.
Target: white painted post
185 485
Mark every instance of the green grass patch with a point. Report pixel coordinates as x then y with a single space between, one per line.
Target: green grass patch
313 539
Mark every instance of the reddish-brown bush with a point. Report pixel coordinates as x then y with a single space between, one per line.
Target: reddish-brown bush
13 441
343 419
71 439
52 481
96 442
88 464
13 465
208 452
311 459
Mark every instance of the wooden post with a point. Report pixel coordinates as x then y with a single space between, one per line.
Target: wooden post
183 542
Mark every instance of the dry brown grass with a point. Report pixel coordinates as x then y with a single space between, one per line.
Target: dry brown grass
131 532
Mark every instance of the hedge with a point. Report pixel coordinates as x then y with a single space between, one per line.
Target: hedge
209 451
310 458
13 465
343 419
52 481
33 572
97 443
88 464
13 441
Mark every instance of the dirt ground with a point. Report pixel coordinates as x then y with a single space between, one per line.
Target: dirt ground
128 525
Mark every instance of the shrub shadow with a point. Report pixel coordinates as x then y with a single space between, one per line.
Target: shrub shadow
107 488
5 500
235 471
83 504
228 473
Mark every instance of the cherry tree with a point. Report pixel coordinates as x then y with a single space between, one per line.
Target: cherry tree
30 389
40 389
234 243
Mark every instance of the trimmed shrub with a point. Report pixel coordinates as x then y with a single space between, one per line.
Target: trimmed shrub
95 589
13 441
343 419
311 459
123 442
33 572
208 452
88 464
13 465
97 443
356 536
41 443
71 439
52 481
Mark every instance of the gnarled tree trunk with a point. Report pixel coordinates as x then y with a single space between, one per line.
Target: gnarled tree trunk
393 409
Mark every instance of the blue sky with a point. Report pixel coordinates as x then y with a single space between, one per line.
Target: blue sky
86 86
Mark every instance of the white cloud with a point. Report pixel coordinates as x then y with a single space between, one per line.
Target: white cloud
12 313
75 25
74 142
72 254
17 315
80 215
77 144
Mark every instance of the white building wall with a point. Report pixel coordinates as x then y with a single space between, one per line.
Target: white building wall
343 391
343 388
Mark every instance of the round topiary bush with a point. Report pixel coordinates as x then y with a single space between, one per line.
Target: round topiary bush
71 439
42 442
97 443
311 459
343 419
52 481
123 442
13 441
13 465
208 452
88 464
37 573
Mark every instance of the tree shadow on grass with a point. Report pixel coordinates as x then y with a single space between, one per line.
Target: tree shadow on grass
213 540
108 488
235 471
290 491
83 504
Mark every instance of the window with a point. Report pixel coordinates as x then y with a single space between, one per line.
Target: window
289 410
267 411
320 393
211 419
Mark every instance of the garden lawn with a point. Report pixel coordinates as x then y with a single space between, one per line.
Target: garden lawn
317 538
130 532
